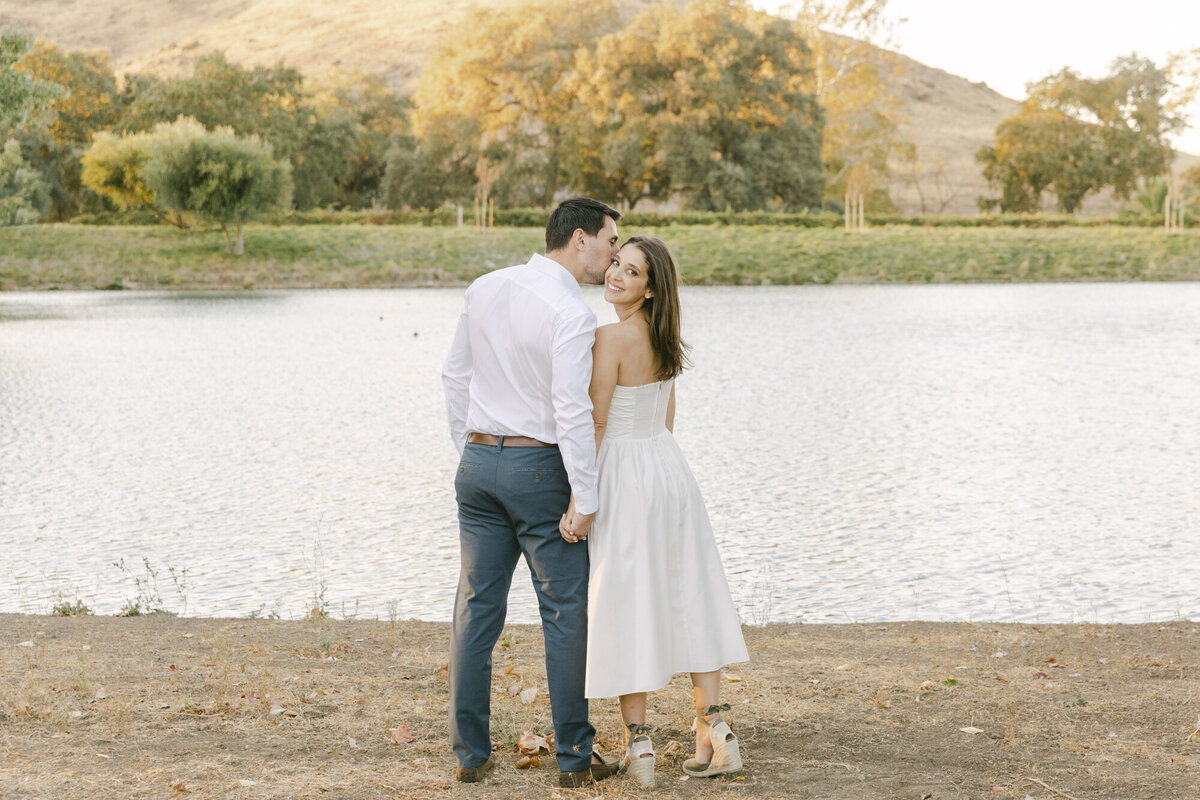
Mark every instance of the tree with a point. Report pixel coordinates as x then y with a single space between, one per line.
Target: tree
217 176
509 70
268 103
19 93
1039 149
379 114
1077 135
56 135
708 102
113 167
439 167
851 78
24 195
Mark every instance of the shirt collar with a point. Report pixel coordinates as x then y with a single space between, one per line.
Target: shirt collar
551 267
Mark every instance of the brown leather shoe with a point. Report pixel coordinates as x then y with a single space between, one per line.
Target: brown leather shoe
596 772
475 774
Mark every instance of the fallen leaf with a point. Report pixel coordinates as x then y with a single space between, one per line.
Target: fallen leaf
244 782
25 644
276 710
179 788
527 695
101 693
290 713
672 748
529 761
442 783
401 735
971 730
531 743
187 636
514 689
732 678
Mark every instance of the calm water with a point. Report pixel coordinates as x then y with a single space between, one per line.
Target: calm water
868 453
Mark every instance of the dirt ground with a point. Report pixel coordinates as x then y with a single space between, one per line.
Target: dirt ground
156 707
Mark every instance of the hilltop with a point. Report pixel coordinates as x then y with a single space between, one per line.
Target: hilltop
949 117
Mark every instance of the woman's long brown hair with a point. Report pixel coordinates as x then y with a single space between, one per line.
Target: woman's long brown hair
662 308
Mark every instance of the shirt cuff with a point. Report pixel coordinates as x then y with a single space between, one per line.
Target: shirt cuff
587 503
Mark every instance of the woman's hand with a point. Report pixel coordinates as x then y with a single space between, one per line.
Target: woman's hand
566 524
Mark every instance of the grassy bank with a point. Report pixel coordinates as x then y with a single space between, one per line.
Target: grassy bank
344 256
155 707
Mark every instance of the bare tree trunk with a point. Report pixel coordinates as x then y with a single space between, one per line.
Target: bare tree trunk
228 242
240 248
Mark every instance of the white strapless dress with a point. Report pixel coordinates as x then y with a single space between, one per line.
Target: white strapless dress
658 600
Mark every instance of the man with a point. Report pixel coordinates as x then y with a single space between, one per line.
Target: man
516 383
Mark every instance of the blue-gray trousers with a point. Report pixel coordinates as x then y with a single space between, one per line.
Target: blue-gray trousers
509 503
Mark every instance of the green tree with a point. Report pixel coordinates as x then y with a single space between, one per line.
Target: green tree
709 103
113 167
24 195
20 93
1076 135
510 71
433 170
55 136
377 115
217 176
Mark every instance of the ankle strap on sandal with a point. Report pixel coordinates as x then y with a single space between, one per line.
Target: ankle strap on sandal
704 711
637 729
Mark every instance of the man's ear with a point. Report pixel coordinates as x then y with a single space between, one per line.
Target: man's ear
579 239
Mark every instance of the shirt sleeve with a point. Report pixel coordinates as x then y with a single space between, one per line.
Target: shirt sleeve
571 373
456 380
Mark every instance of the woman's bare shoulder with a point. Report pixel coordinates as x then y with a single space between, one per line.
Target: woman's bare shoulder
626 332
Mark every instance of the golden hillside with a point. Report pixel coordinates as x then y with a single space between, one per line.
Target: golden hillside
949 118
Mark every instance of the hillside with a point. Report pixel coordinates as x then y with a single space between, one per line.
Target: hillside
949 118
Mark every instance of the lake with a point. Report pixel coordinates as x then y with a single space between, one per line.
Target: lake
868 453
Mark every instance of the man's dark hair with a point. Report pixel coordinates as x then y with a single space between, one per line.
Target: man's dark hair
578 212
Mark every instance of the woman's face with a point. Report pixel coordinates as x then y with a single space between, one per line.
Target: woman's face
626 280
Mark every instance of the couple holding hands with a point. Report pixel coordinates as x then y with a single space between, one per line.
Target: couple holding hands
568 458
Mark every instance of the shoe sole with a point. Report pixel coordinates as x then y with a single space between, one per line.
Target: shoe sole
642 769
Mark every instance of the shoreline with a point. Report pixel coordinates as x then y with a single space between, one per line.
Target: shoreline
161 707
79 257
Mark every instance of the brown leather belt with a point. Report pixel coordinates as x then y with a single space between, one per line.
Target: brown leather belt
508 441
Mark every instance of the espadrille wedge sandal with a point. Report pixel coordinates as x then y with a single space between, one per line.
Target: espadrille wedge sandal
639 755
726 756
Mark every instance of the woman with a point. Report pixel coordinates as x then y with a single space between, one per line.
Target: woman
658 600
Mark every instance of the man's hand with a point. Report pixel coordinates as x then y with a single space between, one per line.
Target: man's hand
574 526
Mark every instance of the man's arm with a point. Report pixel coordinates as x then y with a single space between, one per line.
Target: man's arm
571 356
456 380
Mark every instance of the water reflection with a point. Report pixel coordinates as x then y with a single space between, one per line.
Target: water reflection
868 453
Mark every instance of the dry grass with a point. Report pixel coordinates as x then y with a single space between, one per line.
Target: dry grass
160 707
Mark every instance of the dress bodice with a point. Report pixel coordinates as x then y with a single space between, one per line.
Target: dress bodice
638 412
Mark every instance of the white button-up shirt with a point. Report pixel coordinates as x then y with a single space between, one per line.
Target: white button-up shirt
521 363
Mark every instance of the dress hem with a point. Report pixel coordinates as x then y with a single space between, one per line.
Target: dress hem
660 684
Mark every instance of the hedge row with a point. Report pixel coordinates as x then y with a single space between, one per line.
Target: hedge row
536 218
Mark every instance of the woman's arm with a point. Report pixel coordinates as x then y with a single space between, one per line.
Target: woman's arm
671 410
606 362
